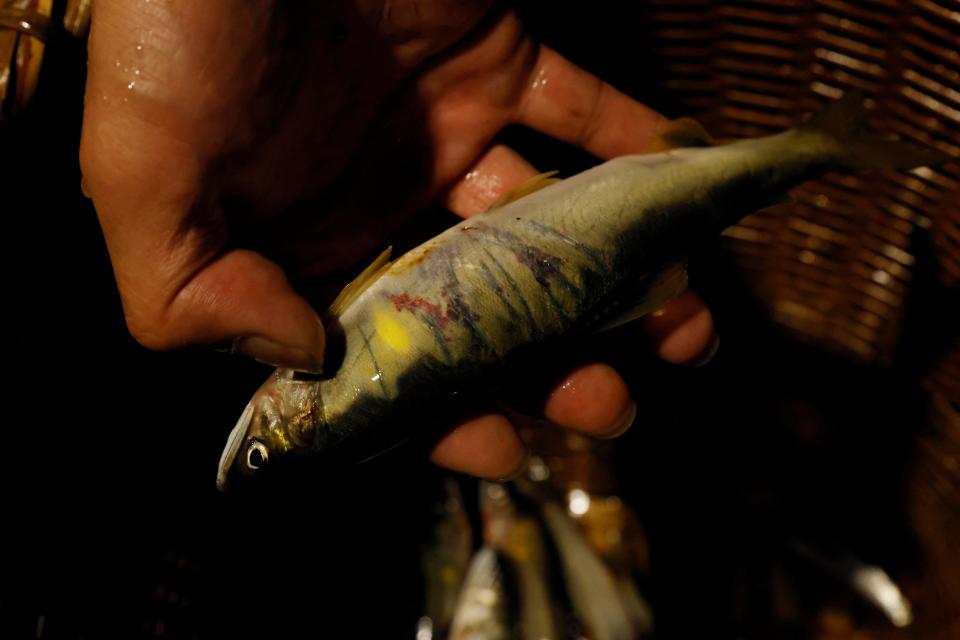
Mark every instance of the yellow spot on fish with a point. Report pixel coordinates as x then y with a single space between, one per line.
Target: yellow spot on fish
391 330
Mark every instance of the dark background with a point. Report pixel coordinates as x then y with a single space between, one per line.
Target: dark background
111 525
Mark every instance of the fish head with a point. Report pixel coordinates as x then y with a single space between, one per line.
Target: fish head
280 421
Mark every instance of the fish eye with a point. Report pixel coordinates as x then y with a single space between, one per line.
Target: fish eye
257 455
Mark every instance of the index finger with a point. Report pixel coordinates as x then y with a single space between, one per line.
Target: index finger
571 104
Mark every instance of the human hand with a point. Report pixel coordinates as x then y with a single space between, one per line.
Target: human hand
207 123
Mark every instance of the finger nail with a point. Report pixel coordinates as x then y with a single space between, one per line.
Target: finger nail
520 470
277 355
623 424
708 354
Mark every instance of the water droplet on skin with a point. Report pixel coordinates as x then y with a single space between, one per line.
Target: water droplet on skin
131 63
541 80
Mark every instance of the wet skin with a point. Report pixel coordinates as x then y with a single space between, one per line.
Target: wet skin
208 121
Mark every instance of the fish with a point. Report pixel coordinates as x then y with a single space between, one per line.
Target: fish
594 591
445 560
482 608
518 537
613 531
410 341
869 582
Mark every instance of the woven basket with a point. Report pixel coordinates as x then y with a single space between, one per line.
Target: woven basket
840 267
836 266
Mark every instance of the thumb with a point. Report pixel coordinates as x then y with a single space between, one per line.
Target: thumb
244 299
148 160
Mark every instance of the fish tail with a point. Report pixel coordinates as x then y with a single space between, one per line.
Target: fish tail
844 123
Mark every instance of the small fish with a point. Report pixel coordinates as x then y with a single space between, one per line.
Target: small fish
482 609
519 539
613 531
870 582
446 559
594 591
554 259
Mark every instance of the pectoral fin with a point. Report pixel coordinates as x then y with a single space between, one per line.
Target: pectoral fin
359 284
652 294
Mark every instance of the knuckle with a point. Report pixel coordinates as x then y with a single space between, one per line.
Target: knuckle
148 327
151 335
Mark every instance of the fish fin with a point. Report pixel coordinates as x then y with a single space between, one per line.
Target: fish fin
682 132
844 121
653 294
360 284
529 186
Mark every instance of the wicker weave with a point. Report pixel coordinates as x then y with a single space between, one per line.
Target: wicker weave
837 265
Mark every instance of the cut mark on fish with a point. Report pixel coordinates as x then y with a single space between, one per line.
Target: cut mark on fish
491 280
460 311
595 256
376 366
542 265
516 290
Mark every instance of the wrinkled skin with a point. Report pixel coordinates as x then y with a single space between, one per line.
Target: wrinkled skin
231 147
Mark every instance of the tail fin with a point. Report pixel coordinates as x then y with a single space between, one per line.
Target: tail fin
845 122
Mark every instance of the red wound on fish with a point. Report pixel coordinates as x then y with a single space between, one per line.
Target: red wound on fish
406 302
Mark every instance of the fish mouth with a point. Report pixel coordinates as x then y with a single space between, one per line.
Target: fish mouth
232 446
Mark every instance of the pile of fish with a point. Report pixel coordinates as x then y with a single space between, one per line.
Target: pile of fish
535 574
552 559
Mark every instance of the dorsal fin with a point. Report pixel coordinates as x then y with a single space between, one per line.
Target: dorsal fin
529 186
682 132
359 284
